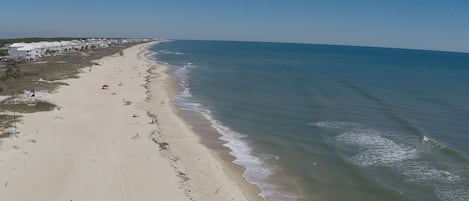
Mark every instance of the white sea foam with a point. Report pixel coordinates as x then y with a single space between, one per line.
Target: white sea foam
170 52
257 171
151 54
452 193
271 192
186 92
426 139
433 143
377 150
446 183
182 74
424 172
335 124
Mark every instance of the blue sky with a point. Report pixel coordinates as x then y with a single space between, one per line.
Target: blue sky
419 24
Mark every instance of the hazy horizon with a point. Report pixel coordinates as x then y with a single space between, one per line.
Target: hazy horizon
425 25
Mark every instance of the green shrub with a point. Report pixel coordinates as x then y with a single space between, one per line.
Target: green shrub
12 73
4 53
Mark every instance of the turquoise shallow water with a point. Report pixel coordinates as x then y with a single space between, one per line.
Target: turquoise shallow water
323 122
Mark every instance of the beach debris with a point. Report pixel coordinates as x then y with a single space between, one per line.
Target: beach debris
136 136
218 189
154 120
105 86
135 115
113 93
152 133
162 145
120 84
126 102
183 176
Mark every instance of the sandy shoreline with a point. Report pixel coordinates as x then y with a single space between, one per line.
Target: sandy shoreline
124 143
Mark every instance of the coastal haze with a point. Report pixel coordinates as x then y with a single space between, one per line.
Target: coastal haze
434 25
234 100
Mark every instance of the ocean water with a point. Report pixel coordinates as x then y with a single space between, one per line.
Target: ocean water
324 122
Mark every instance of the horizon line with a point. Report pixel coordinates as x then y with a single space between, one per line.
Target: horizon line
331 44
260 41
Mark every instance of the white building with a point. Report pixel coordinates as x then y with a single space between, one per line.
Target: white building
98 43
24 52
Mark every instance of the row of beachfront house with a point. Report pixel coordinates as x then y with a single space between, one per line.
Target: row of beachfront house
24 52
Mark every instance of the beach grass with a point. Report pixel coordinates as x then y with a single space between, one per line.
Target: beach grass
7 121
26 106
45 73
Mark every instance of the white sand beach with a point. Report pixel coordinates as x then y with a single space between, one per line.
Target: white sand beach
122 143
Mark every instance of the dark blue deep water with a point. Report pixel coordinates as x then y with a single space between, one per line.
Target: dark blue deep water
324 122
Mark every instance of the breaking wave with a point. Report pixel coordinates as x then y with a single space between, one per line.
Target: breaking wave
335 124
402 155
378 150
256 170
169 52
